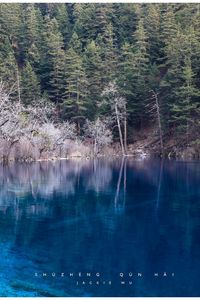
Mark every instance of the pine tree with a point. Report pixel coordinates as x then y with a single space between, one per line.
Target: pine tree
9 70
62 17
152 25
33 33
4 40
83 17
195 35
93 68
172 72
169 30
74 106
14 25
101 18
58 78
181 47
75 43
124 21
108 53
52 61
140 70
184 110
30 88
125 74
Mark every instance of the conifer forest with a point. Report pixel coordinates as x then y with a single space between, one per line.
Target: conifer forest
90 79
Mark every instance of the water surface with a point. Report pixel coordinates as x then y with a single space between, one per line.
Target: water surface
100 228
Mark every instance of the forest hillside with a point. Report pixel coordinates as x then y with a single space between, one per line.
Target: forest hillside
91 77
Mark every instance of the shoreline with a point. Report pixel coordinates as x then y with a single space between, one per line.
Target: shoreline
116 156
141 149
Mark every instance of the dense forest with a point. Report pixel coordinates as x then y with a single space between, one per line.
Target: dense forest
100 73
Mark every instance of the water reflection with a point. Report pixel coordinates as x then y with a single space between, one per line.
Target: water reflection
102 215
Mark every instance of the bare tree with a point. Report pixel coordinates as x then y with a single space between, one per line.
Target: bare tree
10 122
99 132
154 108
118 108
18 86
49 136
125 127
33 123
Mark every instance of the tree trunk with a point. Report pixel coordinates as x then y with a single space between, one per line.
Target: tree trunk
78 111
120 131
78 127
159 122
11 146
95 147
18 87
187 132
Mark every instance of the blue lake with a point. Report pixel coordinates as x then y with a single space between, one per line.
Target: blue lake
100 228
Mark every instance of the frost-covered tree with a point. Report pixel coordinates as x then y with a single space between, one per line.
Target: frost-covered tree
32 122
99 132
117 105
50 136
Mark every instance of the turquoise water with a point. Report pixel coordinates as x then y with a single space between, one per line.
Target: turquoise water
100 228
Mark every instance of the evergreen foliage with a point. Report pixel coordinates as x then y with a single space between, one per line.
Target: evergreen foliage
69 53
